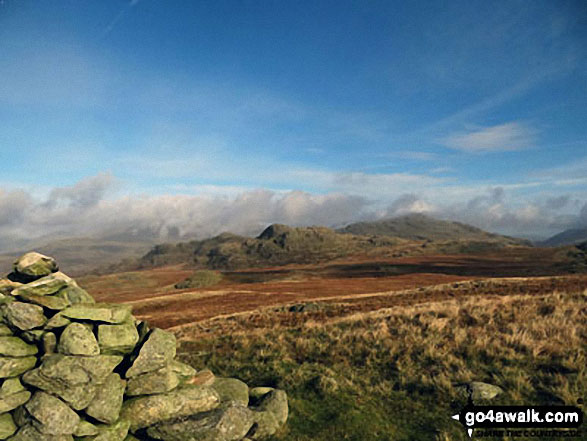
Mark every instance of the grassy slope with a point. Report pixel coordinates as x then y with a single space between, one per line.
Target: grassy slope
391 374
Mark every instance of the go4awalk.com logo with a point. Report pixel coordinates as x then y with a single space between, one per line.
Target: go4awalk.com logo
521 421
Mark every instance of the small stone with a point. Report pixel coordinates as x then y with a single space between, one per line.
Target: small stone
231 389
276 403
74 295
158 350
483 391
49 342
78 339
4 330
24 316
256 394
51 415
117 339
13 367
11 386
98 312
57 321
183 371
35 265
155 382
203 378
114 432
7 426
44 286
15 347
151 409
107 403
33 336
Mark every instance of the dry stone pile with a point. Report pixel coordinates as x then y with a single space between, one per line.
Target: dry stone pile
73 369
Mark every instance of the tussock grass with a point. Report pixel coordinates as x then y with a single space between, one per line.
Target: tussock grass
392 374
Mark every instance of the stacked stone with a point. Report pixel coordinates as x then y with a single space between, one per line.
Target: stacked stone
73 369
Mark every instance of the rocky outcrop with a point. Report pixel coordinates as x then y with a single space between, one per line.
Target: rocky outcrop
75 370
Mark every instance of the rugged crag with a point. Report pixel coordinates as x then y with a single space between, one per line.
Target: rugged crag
72 369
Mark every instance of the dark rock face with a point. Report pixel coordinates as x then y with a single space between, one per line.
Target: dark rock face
72 369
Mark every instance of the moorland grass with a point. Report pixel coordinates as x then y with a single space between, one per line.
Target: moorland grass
393 374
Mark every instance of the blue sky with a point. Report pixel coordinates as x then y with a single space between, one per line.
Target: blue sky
472 110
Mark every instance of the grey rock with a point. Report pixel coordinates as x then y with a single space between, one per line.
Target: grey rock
51 415
230 422
50 302
74 294
15 347
106 405
155 382
49 342
183 371
35 265
117 339
98 312
11 402
57 321
13 367
31 433
156 352
182 402
24 316
231 389
44 286
78 339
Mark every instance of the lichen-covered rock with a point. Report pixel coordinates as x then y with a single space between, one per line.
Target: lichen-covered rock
117 339
73 379
227 423
275 402
15 347
51 415
44 286
57 321
479 391
154 382
5 330
106 405
7 286
182 402
78 339
85 428
98 312
203 378
74 294
31 433
114 432
157 351
24 316
231 389
49 343
7 426
50 302
13 367
183 371
12 401
35 265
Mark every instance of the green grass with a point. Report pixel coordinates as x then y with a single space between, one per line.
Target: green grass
391 374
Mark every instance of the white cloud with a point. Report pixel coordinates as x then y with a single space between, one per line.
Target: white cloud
504 137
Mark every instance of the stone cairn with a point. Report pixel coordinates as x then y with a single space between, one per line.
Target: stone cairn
73 369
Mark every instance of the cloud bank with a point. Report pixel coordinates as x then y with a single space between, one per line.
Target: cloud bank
90 208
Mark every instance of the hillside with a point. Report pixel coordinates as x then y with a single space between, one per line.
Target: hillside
276 245
422 227
571 236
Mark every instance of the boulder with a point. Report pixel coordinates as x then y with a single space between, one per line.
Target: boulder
98 312
12 401
231 389
50 302
51 415
29 432
15 347
154 382
73 294
44 286
117 339
106 405
114 432
156 352
85 428
78 339
13 367
35 265
7 286
24 316
182 370
227 423
182 402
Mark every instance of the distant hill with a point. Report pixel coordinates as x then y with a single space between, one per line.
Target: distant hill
421 227
81 255
572 236
276 245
